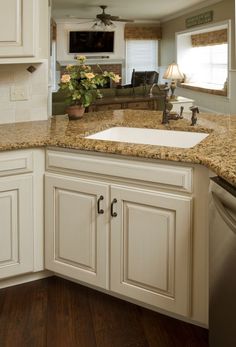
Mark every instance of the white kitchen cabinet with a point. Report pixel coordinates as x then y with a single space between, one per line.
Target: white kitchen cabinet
156 225
19 28
150 239
76 241
21 212
151 247
16 229
149 235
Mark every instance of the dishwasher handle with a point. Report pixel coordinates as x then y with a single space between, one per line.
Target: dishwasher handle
225 215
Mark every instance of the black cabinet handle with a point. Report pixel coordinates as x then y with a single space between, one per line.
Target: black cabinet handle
100 210
113 214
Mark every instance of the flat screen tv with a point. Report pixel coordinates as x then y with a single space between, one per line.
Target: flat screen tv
91 42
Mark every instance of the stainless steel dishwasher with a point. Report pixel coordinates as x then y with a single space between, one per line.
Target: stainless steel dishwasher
222 267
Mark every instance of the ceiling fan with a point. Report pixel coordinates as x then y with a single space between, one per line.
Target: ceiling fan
105 20
108 18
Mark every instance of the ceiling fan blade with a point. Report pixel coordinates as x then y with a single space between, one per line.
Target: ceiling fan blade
106 18
124 20
114 17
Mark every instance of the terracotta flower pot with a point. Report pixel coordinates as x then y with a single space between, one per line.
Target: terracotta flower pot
75 112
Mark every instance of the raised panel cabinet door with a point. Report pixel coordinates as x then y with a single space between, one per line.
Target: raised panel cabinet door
18 28
16 226
151 248
76 236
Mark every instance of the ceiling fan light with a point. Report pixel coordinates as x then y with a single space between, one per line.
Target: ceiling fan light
100 25
112 26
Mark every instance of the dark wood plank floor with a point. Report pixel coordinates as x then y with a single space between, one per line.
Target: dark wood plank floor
57 313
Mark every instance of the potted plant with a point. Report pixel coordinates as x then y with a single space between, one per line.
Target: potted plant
81 86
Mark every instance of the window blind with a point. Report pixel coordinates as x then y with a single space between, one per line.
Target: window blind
211 64
141 55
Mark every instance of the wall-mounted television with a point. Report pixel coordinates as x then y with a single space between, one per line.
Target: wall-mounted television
91 41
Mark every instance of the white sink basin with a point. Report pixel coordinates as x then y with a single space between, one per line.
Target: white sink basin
168 138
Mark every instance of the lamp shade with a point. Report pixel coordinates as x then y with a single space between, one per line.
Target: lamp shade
173 72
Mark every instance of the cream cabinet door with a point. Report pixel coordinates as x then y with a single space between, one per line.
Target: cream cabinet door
151 248
76 240
18 28
16 226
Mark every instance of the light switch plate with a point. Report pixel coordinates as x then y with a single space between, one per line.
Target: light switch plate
19 93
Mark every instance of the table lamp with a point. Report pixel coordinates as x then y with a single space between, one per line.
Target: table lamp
173 73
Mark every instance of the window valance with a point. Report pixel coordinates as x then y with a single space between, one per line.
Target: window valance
210 38
142 32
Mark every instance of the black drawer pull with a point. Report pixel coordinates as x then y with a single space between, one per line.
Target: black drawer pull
113 214
100 210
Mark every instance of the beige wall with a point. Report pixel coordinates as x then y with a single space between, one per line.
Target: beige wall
222 11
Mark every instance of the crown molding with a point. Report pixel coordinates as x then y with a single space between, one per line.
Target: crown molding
189 10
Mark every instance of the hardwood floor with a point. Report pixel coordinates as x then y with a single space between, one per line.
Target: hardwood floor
57 313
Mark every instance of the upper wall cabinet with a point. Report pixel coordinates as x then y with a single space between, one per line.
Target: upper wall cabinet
18 28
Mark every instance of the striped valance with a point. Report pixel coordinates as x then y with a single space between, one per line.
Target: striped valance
142 32
209 38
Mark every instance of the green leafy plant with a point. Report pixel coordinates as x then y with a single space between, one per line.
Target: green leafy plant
81 85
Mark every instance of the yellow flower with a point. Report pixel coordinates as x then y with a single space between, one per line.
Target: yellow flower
79 82
81 58
86 67
89 75
65 78
69 67
117 78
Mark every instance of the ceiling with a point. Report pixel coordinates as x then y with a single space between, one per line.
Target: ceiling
153 10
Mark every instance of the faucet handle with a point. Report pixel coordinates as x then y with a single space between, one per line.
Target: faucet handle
181 112
194 109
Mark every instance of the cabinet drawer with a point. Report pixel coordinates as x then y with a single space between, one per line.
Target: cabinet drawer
12 163
176 177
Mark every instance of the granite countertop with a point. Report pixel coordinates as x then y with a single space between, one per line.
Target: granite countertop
217 151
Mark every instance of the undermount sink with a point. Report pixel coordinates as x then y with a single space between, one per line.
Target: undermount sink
158 137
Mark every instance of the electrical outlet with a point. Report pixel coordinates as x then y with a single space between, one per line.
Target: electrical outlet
19 93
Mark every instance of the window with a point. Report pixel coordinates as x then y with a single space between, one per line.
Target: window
141 55
205 65
208 66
